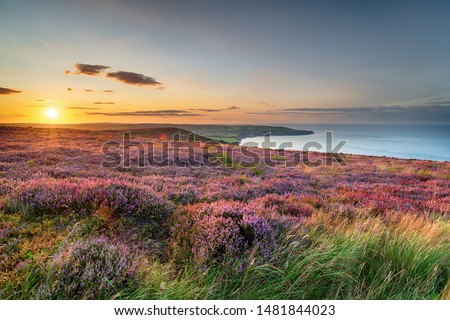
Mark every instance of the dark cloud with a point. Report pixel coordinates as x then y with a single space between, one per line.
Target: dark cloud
108 90
376 109
89 69
69 89
439 102
438 98
152 113
133 78
216 110
437 113
336 110
99 102
8 91
40 100
88 90
81 108
269 113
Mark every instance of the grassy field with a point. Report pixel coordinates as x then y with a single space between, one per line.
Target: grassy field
375 228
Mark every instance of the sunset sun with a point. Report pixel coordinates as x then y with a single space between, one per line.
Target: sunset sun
52 113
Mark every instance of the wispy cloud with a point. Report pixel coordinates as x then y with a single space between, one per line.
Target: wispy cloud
440 102
8 91
216 110
437 113
81 108
88 69
133 78
263 103
106 91
376 109
99 102
268 113
151 113
19 115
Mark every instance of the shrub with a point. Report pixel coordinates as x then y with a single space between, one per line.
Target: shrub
211 232
44 196
291 204
89 269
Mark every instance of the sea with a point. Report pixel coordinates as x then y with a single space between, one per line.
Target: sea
428 142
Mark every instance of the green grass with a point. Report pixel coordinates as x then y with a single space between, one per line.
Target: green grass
341 263
327 258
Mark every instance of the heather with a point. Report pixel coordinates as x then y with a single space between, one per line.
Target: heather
46 196
86 269
70 228
215 231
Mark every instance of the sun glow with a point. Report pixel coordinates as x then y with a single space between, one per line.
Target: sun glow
52 113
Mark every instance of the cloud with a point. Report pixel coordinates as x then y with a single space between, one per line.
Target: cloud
69 89
19 115
438 98
437 113
439 102
88 69
216 110
262 103
269 113
88 90
375 109
42 100
133 78
152 113
127 77
81 108
8 91
108 90
99 102
336 110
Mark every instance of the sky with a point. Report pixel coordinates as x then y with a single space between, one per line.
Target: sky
236 62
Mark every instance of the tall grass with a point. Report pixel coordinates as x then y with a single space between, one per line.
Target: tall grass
363 259
325 258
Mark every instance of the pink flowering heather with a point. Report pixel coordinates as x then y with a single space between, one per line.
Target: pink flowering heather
87 196
291 204
87 269
206 232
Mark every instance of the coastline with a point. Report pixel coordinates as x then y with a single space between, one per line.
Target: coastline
399 142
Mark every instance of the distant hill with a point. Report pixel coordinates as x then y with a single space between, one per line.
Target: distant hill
235 133
167 133
223 133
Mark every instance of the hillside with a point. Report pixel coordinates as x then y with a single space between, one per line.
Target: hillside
208 224
224 133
